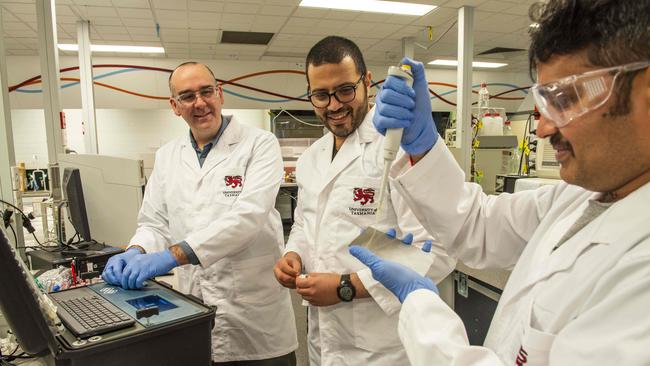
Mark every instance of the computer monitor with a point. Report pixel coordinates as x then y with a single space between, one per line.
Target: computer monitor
19 303
113 188
74 194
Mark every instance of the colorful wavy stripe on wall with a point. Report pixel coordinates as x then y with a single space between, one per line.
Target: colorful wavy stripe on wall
26 86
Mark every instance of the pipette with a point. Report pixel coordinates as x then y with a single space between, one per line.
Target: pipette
392 140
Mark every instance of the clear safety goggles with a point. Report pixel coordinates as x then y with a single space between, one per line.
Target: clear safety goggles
571 97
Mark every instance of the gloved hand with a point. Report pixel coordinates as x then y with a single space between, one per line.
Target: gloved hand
400 280
113 271
408 240
400 106
146 266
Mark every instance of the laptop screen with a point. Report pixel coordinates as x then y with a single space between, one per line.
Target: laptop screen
19 303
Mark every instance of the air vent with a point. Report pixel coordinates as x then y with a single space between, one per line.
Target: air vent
496 50
246 37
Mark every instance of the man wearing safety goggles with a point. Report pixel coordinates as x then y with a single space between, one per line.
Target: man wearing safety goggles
579 251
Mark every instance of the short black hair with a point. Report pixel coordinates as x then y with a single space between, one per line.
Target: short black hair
611 32
332 50
171 89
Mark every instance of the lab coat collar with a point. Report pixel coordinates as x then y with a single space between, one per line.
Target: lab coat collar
350 150
230 137
620 227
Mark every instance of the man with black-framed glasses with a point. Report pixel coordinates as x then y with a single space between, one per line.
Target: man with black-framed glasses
352 318
579 251
208 209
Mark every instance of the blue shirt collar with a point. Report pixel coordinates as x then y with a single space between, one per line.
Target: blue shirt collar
225 120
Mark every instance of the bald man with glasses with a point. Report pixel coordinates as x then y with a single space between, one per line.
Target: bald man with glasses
209 210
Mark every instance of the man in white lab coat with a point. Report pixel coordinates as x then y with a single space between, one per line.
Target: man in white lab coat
209 208
352 318
579 292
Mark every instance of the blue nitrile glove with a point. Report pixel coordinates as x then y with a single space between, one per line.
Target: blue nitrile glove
146 266
400 280
408 240
400 106
113 271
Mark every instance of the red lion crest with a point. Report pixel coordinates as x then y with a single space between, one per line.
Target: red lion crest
365 195
233 181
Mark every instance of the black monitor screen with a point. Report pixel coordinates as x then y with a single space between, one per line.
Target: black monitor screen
18 304
74 194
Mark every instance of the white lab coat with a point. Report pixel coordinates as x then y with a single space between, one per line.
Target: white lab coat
235 232
585 303
327 219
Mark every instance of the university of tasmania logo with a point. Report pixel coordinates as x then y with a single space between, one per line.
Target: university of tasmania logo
234 185
364 197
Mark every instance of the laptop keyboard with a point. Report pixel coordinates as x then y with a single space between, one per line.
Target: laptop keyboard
92 315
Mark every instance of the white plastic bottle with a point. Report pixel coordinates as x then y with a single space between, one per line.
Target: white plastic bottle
514 161
507 127
483 96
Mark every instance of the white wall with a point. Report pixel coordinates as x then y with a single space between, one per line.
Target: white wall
130 126
132 133
155 83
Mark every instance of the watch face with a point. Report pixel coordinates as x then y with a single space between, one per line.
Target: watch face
346 293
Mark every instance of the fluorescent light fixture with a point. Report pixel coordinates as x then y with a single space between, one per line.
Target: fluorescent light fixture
477 64
112 48
373 6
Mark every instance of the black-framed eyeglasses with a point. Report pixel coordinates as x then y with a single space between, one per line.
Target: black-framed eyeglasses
344 94
189 97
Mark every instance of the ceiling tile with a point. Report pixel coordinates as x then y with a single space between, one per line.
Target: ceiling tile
93 2
517 10
311 13
177 45
114 38
67 19
141 31
139 22
172 18
439 17
15 26
204 20
342 15
494 6
170 4
98 11
29 18
62 10
202 33
20 8
7 16
276 10
107 21
131 3
19 33
134 13
240 8
109 29
22 52
373 17
145 37
174 38
460 3
401 19
206 6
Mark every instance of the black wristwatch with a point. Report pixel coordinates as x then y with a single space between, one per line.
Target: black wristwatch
346 291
